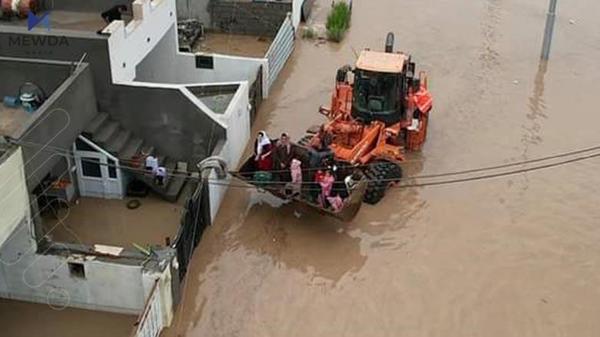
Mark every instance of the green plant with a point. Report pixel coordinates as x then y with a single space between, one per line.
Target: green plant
338 21
309 33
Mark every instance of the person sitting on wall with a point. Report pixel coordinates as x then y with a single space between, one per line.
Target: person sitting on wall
114 13
263 152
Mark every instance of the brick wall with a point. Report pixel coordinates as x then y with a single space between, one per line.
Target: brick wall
251 18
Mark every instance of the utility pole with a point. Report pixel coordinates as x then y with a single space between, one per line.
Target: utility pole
550 18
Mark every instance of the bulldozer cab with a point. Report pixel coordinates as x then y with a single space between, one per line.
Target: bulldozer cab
378 81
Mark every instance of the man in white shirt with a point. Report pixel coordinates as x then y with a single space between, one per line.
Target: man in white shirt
151 163
159 175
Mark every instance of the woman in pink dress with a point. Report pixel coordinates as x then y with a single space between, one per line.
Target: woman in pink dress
326 183
262 152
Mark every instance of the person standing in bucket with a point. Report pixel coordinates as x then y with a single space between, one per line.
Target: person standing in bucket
283 155
263 152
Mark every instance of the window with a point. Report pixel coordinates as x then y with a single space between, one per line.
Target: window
76 270
203 61
112 169
91 167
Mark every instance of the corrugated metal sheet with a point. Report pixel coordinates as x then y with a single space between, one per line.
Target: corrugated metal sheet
280 49
150 323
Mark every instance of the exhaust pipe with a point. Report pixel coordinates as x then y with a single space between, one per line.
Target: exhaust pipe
389 43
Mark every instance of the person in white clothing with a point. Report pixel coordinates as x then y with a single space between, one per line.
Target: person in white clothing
160 175
151 163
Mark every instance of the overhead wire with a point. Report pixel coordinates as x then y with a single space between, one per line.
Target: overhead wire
66 152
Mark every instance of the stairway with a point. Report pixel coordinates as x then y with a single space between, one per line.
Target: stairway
131 150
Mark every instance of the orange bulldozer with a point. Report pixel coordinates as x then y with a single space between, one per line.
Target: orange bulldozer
379 110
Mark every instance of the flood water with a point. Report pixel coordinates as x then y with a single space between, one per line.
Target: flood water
512 256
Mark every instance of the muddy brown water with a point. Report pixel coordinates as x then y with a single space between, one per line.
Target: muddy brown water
234 44
23 319
109 222
514 256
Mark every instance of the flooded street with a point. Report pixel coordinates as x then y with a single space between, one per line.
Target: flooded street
24 319
512 256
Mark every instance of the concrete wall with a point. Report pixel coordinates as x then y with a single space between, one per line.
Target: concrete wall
237 120
245 17
164 117
194 9
182 69
71 48
83 5
14 200
128 45
56 124
14 73
28 276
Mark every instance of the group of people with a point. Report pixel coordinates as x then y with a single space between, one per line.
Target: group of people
159 172
274 157
285 163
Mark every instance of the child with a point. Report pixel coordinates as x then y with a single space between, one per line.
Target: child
326 184
296 171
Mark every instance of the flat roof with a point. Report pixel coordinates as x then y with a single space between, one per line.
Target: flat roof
381 62
45 75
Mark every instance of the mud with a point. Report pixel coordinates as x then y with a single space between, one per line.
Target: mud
234 44
110 222
21 319
515 256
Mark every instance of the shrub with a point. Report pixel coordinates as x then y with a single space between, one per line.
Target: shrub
309 33
338 21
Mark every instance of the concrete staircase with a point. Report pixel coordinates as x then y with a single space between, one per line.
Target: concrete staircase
131 150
